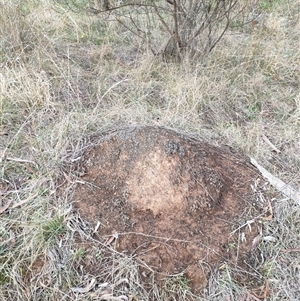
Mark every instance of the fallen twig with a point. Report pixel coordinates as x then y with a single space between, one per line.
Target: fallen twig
290 250
270 144
7 205
284 188
114 236
24 201
21 160
248 223
82 290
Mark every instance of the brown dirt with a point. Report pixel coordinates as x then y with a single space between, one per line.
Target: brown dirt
172 200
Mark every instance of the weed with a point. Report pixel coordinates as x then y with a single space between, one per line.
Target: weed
268 269
177 283
99 255
254 110
80 253
267 5
53 228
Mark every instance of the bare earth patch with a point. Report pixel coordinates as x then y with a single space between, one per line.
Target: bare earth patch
170 201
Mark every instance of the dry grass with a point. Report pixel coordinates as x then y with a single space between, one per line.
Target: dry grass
65 77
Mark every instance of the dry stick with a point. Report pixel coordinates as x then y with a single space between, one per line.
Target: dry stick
7 205
290 250
98 11
270 143
169 239
82 290
167 28
24 201
284 188
128 28
177 37
21 160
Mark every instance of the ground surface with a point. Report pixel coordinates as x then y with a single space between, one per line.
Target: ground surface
170 200
66 76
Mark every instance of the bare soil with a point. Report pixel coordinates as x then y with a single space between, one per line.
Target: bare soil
170 201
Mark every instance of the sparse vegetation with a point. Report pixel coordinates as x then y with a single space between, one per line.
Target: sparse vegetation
65 77
175 29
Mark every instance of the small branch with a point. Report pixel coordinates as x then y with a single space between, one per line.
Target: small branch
284 188
274 148
163 21
21 160
290 250
176 34
8 204
131 30
109 9
220 36
24 201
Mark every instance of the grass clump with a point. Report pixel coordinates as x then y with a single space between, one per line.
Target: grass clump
53 228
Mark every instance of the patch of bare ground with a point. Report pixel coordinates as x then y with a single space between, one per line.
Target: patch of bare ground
172 202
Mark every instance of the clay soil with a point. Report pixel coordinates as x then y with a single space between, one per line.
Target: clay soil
170 201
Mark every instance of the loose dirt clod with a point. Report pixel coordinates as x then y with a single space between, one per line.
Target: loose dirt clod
169 200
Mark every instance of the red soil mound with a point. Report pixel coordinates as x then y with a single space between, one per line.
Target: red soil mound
172 200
